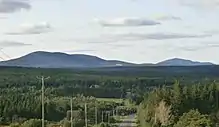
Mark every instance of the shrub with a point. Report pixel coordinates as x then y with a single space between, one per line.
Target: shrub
15 125
194 119
32 123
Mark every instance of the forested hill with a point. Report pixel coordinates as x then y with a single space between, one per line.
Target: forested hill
206 70
151 75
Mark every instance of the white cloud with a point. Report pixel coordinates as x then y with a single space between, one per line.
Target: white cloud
200 3
26 29
5 44
167 17
127 22
10 6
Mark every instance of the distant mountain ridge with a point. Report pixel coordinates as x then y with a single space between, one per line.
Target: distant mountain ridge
62 60
182 62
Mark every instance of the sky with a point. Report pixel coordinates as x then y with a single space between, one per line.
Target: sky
139 31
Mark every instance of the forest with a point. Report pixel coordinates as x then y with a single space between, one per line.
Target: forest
164 96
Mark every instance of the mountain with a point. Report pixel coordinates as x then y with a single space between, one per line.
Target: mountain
61 60
182 62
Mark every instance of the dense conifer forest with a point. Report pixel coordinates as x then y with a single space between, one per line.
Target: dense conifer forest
164 96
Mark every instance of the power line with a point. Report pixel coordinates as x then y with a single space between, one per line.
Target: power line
2 58
5 54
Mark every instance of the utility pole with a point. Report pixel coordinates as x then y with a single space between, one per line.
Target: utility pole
102 116
42 78
108 117
96 115
113 112
85 110
71 113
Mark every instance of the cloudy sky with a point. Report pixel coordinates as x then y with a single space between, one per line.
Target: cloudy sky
141 31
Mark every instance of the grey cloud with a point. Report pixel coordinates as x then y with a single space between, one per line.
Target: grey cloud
3 18
127 22
189 48
91 40
10 6
33 29
200 4
121 45
102 39
5 44
161 36
166 17
183 46
81 50
213 32
114 38
199 46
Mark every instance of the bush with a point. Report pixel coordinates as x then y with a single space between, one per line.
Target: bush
67 123
15 125
112 120
102 124
32 123
79 123
194 119
76 123
124 110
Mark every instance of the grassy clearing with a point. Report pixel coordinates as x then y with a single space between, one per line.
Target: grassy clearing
117 100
